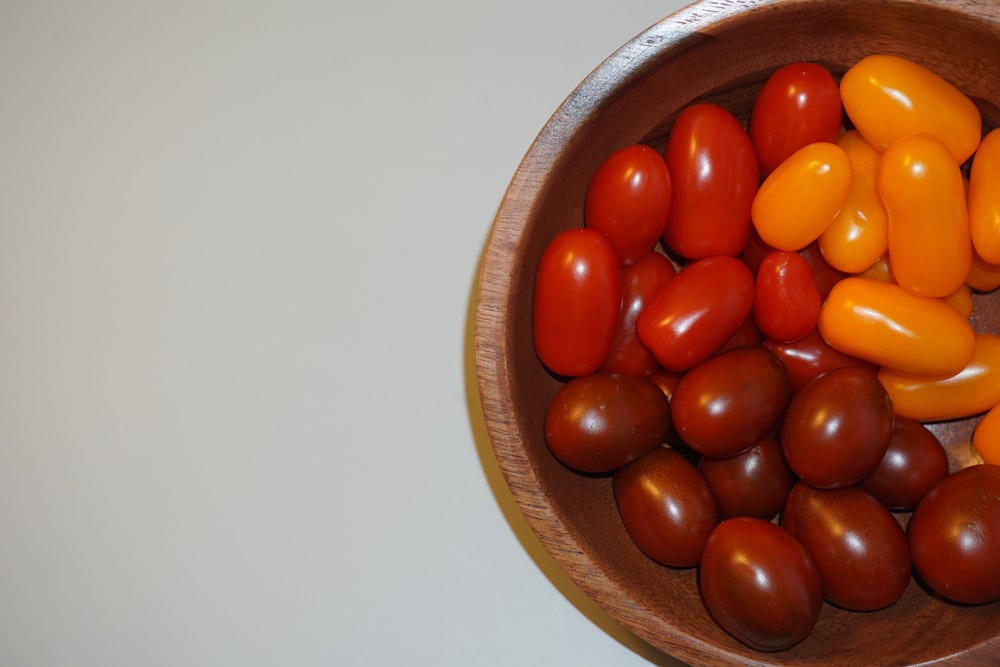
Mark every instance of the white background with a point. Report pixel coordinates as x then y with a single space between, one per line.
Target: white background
238 250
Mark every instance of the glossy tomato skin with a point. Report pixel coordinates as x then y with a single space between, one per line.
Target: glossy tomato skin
913 463
984 198
810 357
859 548
577 300
799 104
694 314
599 423
714 173
986 437
725 404
954 536
642 279
825 274
666 506
754 483
786 298
628 200
760 584
837 427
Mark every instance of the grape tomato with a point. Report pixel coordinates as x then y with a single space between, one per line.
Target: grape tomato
786 298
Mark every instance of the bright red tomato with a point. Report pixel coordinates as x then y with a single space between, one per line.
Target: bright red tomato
578 296
715 176
786 298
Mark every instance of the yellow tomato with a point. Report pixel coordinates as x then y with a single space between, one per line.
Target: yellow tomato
986 437
984 198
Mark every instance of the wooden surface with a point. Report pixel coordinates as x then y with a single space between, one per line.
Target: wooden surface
720 51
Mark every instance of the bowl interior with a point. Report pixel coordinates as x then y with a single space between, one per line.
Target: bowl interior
721 52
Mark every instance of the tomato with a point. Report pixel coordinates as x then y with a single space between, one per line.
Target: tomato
810 356
986 437
694 314
599 423
858 235
984 198
955 536
914 462
786 297
666 506
642 279
983 276
800 199
961 301
837 427
884 324
760 584
859 548
930 248
880 271
799 104
577 300
748 334
754 483
667 381
715 176
722 406
888 97
628 200
971 391
826 276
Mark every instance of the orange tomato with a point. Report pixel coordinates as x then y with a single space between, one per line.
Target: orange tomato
880 270
983 276
984 198
986 437
961 301
887 97
930 249
884 324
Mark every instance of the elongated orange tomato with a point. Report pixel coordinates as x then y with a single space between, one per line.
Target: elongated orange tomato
882 323
984 198
887 97
961 301
983 276
930 249
973 390
858 235
802 196
986 437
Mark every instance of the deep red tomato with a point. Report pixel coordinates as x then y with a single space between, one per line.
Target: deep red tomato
694 314
826 275
914 462
760 584
578 297
786 298
628 200
798 105
810 357
715 176
754 483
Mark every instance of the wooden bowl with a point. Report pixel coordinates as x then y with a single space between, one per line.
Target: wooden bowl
718 51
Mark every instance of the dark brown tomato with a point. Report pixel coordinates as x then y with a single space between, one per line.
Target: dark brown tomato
668 381
754 483
722 406
666 506
859 548
599 423
760 584
810 357
914 462
837 427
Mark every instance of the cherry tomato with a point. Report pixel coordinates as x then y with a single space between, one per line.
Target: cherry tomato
826 276
914 462
884 324
800 199
666 506
799 104
810 357
961 301
715 176
599 423
760 584
859 548
694 314
930 248
888 97
642 279
880 271
983 276
986 437
628 200
984 198
667 381
754 483
955 536
748 334
786 297
578 297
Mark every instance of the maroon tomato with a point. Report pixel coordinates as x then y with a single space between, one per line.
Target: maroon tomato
725 404
786 297
715 177
837 427
760 584
694 314
754 483
799 104
666 506
826 276
642 279
628 200
955 536
667 381
755 251
914 462
859 548
810 357
578 296
599 423
748 334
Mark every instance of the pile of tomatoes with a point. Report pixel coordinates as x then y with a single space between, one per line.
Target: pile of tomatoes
754 327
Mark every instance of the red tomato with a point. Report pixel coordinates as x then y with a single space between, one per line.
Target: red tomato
786 297
628 200
798 105
824 273
714 173
810 357
914 462
694 314
754 483
578 297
